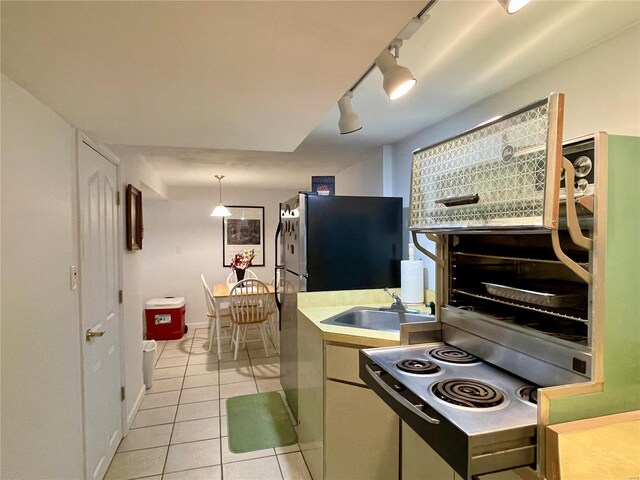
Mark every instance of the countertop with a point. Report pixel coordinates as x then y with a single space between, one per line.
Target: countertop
318 306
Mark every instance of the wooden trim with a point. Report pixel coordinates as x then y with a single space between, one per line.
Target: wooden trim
552 435
554 161
133 214
597 310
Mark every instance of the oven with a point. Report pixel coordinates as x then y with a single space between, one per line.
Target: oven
511 211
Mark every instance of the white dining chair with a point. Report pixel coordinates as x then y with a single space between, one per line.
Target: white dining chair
211 310
251 304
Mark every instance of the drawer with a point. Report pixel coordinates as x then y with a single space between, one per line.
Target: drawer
341 363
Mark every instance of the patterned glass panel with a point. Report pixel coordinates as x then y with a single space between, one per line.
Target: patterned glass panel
503 163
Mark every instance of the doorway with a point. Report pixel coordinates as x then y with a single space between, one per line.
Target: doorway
99 305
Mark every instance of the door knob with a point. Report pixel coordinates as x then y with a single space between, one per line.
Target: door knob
91 333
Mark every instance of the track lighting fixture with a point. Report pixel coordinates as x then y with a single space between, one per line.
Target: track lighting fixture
349 121
513 6
397 80
220 210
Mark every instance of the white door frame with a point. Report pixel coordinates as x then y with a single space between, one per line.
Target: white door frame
81 137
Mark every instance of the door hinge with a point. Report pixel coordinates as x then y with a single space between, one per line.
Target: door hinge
122 394
119 296
117 198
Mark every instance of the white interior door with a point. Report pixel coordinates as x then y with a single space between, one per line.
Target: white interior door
99 284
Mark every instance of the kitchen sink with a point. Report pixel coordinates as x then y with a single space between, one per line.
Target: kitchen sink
376 319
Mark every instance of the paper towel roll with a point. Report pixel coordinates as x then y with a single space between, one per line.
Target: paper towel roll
412 281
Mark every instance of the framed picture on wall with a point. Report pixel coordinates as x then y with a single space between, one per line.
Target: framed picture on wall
323 185
133 205
243 230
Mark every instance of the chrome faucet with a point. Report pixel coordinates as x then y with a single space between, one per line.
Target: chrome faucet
397 305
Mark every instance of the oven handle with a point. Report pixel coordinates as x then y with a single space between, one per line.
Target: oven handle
405 403
457 201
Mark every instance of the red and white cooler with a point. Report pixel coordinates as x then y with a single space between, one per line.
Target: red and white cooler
165 318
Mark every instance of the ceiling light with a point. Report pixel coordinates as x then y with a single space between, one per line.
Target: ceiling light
513 6
220 210
397 80
349 121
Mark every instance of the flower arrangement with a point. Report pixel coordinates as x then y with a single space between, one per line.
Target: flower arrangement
242 260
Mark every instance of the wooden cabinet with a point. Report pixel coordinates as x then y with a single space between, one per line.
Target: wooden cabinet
311 397
361 434
420 461
345 431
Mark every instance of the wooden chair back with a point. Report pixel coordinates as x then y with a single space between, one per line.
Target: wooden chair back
250 302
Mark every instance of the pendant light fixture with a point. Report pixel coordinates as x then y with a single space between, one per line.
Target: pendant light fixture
349 121
513 6
220 210
397 80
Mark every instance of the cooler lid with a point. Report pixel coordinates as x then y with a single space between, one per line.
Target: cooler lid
166 302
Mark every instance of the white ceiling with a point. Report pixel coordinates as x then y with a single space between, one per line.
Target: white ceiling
136 75
230 75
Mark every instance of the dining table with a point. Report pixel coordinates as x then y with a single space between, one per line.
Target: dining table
221 292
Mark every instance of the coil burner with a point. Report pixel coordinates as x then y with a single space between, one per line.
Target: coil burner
529 394
468 393
453 355
420 367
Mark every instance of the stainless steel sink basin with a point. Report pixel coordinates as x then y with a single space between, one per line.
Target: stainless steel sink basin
375 319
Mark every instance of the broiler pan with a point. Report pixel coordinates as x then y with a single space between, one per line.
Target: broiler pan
541 294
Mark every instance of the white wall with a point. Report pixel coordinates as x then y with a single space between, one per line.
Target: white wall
365 178
41 358
602 87
181 241
140 175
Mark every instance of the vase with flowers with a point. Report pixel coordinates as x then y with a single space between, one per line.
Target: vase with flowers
240 262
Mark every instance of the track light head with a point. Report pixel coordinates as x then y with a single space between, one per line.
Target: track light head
397 80
349 121
513 6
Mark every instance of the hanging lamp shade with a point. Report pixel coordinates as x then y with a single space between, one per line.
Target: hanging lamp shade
513 6
397 80
220 210
349 121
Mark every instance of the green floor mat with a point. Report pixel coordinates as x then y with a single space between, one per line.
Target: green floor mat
258 421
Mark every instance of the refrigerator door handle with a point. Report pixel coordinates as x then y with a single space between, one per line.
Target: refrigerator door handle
278 267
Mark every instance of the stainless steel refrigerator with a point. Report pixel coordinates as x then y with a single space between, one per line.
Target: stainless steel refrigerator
331 243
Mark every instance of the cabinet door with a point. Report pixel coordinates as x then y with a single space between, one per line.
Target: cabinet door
310 396
420 461
361 434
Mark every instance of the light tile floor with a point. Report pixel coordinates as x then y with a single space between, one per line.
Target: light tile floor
180 431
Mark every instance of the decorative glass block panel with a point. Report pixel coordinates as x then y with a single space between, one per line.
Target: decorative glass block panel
504 174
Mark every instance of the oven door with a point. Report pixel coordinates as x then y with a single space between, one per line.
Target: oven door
468 456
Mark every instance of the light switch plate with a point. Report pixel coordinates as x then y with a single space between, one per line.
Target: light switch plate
74 277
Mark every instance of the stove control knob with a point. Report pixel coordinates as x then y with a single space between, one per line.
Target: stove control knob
398 388
581 185
582 166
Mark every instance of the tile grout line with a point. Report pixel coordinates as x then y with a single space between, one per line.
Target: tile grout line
173 425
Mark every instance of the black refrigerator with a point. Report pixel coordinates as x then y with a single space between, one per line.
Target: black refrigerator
331 243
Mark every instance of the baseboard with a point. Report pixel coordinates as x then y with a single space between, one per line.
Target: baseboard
136 406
